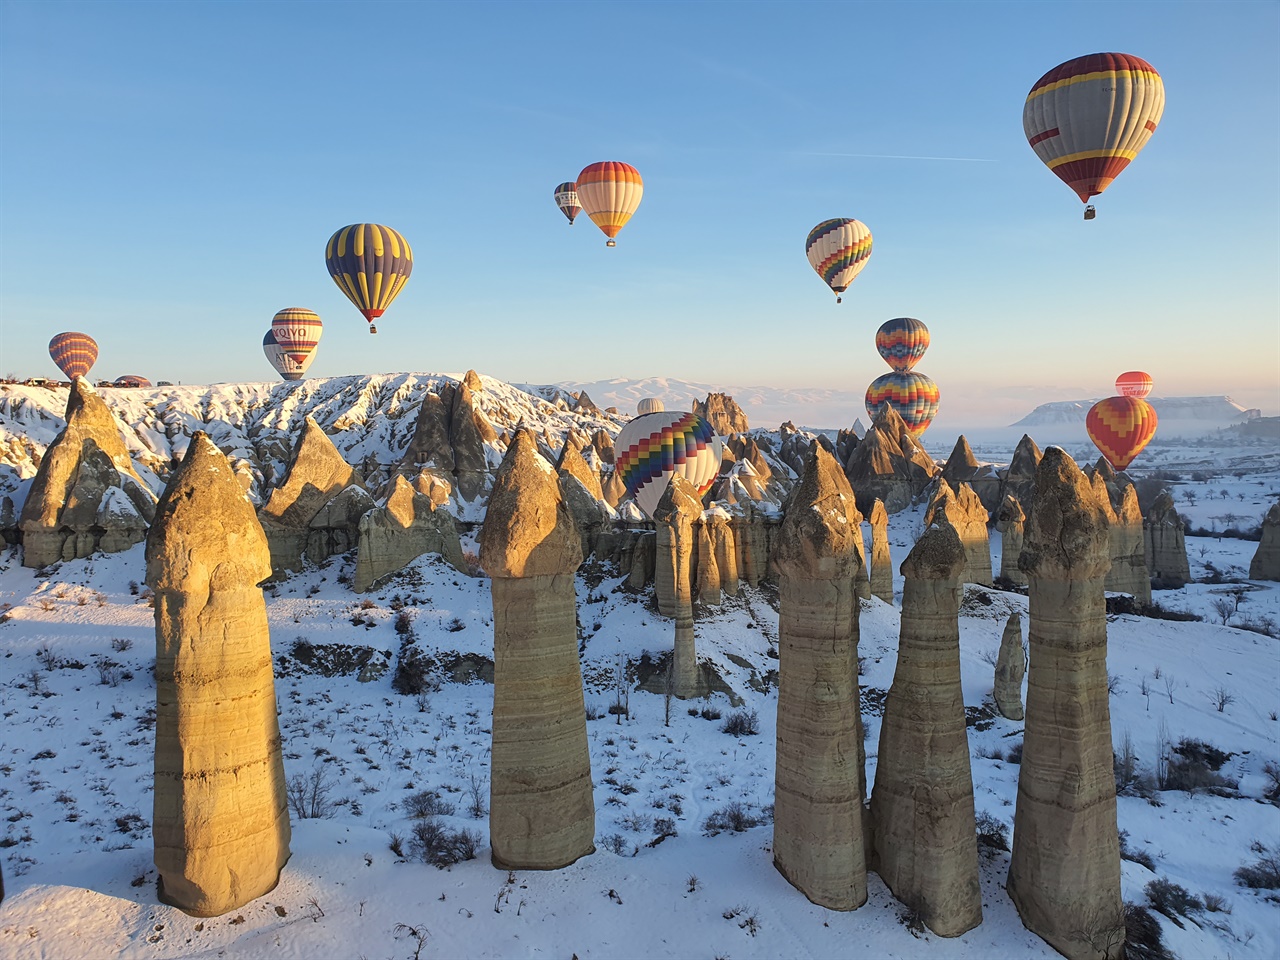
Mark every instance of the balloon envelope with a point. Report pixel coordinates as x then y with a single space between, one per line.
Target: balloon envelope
913 395
371 264
838 250
902 342
74 353
1135 383
1121 427
610 192
284 365
131 380
298 332
567 200
650 405
654 447
1088 118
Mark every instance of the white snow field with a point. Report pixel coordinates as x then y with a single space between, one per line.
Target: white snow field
77 714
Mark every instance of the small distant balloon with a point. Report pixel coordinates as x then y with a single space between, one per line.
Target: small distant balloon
1120 427
371 264
131 380
654 447
913 395
297 331
567 200
838 250
284 365
649 405
74 353
610 192
1135 383
902 342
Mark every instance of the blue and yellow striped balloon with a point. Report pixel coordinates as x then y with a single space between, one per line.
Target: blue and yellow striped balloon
371 264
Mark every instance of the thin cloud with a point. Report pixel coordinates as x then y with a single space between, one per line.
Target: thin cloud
893 156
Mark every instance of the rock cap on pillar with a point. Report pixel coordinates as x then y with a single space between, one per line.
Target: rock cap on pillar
1066 537
820 538
679 502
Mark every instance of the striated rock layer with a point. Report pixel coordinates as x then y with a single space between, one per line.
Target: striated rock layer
818 842
881 581
1010 522
922 804
675 516
221 821
964 511
541 808
1064 876
403 529
1165 542
1266 559
1011 667
1128 572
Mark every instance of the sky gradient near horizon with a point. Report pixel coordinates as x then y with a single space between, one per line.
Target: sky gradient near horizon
171 172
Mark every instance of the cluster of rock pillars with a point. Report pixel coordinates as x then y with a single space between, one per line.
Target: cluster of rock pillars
221 824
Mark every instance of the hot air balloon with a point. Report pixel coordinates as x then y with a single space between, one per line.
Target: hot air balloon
838 250
74 353
371 264
297 331
654 447
912 394
610 192
285 365
567 200
131 380
902 342
1121 427
1135 383
1089 117
650 405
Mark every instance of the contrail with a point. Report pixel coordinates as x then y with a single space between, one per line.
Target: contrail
892 156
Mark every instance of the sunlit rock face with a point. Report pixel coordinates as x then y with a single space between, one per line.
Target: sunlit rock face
1128 572
922 804
1064 875
403 529
541 810
818 842
966 514
220 823
881 580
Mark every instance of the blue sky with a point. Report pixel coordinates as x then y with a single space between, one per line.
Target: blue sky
170 173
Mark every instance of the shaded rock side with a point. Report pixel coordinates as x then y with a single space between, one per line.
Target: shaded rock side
590 516
878 471
674 517
708 588
572 464
541 807
881 562
450 435
1011 667
724 415
965 512
336 526
1020 477
1128 572
70 510
1064 875
818 841
220 822
1010 522
1266 559
403 529
962 465
1165 543
753 532
724 549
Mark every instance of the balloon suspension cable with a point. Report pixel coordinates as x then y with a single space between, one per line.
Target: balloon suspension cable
611 243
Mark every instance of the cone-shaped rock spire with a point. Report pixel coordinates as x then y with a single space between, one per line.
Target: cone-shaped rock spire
1010 521
675 516
881 562
1011 667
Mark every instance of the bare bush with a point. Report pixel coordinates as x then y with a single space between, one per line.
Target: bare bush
1221 698
427 803
434 843
1263 873
309 795
741 723
732 818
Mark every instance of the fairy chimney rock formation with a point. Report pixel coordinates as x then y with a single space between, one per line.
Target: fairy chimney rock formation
315 474
922 805
1266 559
726 555
572 464
877 470
708 570
675 516
724 415
1011 667
473 381
962 465
585 405
1020 478
965 512
818 842
1064 875
221 820
86 495
450 436
881 562
1128 547
403 529
541 808
603 444
613 490
1010 521
1165 542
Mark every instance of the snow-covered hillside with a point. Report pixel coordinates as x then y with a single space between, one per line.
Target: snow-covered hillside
1184 416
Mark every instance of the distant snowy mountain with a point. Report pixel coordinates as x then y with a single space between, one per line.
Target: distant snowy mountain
1180 414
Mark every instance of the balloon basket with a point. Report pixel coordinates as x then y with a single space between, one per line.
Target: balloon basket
839 300
1089 212
373 328
611 243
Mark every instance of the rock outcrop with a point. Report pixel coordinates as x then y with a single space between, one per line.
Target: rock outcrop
717 520
336 527
1128 572
541 807
1020 477
725 416
881 562
675 516
1011 667
613 490
571 464
1165 543
818 842
962 465
878 471
922 803
1064 876
1010 521
221 820
966 514
403 529
753 528
708 570
86 495
450 436
1266 559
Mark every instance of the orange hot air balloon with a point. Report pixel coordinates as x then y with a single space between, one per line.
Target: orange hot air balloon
1121 427
1134 383
610 192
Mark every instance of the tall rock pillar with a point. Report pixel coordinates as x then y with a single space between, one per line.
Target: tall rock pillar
675 516
1010 522
1265 564
1064 877
1011 668
881 563
922 803
221 821
541 809
818 842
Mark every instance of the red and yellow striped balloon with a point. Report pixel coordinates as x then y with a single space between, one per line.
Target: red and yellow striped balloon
1120 427
913 395
1135 383
74 353
1089 117
610 192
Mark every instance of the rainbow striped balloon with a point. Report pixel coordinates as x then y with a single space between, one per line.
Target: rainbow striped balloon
74 353
838 250
298 331
902 342
912 394
653 448
1134 383
1121 427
